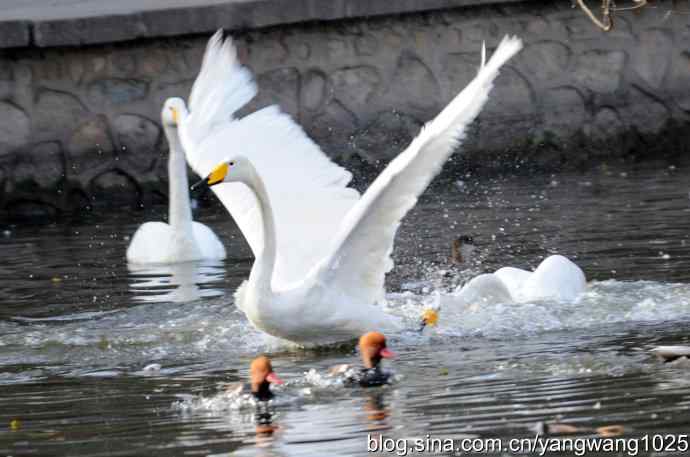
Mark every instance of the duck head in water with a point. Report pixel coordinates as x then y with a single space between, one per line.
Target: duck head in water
262 375
372 348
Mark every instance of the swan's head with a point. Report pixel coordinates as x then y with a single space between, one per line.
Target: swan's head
262 375
372 347
174 109
237 169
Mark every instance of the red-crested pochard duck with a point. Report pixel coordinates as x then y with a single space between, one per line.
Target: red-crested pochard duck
372 349
261 376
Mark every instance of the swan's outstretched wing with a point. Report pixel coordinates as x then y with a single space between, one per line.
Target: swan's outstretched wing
308 193
361 254
222 87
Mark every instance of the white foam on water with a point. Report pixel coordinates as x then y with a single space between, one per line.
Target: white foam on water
219 402
605 302
214 330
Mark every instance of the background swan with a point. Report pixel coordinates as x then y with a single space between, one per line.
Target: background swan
321 251
182 239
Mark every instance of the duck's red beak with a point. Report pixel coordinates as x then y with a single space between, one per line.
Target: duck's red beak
387 353
273 378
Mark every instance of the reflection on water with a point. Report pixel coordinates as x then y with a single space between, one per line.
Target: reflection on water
101 358
177 283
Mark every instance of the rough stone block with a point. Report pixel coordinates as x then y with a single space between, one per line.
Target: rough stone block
90 146
57 112
566 111
41 168
546 60
115 185
653 56
355 86
600 71
15 127
281 87
138 139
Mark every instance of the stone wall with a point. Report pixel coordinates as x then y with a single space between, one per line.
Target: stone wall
79 125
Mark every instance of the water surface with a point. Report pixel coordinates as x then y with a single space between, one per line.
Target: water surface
100 359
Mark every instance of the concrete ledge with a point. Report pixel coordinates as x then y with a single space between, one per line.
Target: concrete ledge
81 22
14 34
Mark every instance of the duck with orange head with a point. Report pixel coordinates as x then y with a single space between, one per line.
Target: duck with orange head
261 376
373 349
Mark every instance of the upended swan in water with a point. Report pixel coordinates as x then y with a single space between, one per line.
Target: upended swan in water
321 251
182 239
556 278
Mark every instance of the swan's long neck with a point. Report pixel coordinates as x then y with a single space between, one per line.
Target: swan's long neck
180 212
262 271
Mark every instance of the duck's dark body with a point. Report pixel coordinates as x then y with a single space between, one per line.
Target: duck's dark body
369 377
263 393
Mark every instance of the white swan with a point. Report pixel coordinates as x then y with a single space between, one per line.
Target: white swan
182 240
484 289
513 278
321 251
556 278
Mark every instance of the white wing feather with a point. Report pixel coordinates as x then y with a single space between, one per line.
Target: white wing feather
308 192
222 87
361 254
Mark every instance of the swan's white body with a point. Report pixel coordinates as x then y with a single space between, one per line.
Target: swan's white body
182 239
485 289
513 278
321 251
556 278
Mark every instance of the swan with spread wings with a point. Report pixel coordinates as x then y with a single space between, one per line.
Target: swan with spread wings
321 250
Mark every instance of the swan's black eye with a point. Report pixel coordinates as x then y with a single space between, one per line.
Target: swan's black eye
232 164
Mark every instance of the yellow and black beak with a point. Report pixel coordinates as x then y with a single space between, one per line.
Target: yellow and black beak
217 176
